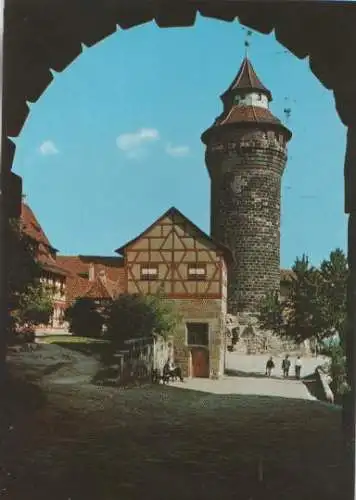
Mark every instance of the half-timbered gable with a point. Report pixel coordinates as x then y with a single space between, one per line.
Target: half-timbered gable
175 257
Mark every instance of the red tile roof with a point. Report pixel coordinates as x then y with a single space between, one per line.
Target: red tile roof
97 290
109 276
242 115
75 287
80 264
73 264
32 227
245 114
247 80
46 253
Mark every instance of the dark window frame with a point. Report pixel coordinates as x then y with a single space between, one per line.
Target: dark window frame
196 338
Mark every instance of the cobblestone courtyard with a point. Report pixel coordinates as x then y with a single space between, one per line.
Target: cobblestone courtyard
83 442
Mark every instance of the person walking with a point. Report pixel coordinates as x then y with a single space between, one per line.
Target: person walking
286 366
298 367
269 366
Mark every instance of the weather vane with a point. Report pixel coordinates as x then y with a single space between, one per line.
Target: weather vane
247 43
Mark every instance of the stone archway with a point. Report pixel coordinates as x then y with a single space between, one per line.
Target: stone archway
45 36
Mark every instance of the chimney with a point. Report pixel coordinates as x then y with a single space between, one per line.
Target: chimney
91 272
102 276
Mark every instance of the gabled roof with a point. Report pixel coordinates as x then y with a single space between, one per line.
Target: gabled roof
97 290
174 211
45 254
247 80
32 227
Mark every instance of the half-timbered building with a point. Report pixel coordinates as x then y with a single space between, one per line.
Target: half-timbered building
53 276
177 258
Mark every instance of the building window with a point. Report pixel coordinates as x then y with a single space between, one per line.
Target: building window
149 272
84 275
196 272
198 334
260 97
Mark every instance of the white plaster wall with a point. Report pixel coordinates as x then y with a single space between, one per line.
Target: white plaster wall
252 99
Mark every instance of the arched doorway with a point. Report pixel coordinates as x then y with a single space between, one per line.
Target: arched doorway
43 36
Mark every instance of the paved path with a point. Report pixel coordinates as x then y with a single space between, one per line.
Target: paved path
248 377
250 386
255 364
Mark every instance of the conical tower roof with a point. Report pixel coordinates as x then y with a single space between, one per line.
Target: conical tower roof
247 80
242 109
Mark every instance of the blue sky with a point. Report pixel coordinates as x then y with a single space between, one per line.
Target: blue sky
115 139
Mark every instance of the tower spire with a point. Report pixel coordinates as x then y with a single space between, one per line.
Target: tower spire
246 80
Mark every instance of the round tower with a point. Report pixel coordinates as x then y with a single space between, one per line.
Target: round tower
245 156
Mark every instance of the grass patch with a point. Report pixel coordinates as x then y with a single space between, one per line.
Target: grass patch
84 345
71 339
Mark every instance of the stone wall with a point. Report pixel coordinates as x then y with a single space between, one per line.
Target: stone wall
205 311
246 169
253 340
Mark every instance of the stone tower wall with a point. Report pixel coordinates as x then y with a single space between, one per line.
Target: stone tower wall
246 168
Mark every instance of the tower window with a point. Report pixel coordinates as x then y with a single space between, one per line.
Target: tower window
260 97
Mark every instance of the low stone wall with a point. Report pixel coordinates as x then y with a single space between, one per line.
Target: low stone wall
322 380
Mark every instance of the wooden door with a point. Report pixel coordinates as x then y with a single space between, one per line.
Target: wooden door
200 362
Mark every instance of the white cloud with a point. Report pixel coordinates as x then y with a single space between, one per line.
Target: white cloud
48 148
177 151
132 143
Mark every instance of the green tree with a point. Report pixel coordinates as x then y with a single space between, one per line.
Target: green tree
302 307
30 303
272 314
84 318
316 305
337 369
333 295
35 307
23 270
137 315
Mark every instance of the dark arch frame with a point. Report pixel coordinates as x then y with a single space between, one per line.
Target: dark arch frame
45 35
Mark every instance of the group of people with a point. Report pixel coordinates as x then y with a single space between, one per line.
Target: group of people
286 364
171 370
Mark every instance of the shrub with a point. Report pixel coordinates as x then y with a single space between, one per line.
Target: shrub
84 318
337 370
137 315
